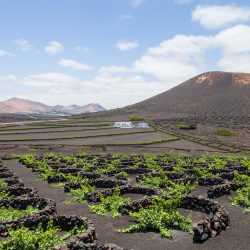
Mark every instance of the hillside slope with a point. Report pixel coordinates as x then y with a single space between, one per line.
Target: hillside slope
209 94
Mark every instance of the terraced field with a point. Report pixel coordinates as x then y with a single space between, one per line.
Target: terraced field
52 135
82 133
207 128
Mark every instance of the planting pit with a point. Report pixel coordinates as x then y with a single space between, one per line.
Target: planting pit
126 189
216 221
43 207
134 197
64 224
17 190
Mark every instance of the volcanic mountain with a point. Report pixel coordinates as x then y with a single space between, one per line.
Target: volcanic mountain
209 94
17 106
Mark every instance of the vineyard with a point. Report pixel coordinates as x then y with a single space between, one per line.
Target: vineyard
140 194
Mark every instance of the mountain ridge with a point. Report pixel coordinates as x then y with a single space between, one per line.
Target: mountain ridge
24 106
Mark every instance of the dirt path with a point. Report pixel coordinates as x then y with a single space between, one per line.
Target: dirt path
235 238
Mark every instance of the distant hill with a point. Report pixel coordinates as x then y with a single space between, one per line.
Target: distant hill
22 106
208 94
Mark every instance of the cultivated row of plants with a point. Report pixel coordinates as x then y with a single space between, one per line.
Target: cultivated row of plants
43 237
205 166
163 214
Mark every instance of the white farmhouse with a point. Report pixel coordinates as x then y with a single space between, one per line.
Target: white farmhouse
123 125
143 125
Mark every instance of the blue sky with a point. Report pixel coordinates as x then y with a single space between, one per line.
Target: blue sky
116 52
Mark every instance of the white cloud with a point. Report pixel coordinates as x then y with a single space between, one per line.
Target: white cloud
50 80
54 48
169 71
6 53
25 46
137 2
181 47
110 91
234 44
108 70
219 16
235 63
7 78
234 40
181 57
175 59
163 66
74 65
125 45
160 68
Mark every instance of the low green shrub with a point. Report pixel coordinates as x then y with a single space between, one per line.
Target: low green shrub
110 204
42 239
5 195
241 178
219 163
186 126
242 198
9 213
224 132
3 184
155 181
79 194
179 190
161 216
245 162
122 175
135 118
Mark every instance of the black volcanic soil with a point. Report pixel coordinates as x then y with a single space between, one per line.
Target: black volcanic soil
13 142
237 237
68 134
188 145
206 128
125 138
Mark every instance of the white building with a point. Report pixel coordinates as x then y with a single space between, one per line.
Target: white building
130 125
123 125
143 125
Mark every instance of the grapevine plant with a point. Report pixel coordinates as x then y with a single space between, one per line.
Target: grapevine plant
3 184
179 190
155 181
243 194
79 194
243 197
110 204
162 216
40 238
122 175
9 213
5 195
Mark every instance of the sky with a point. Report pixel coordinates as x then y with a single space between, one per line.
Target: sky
116 52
